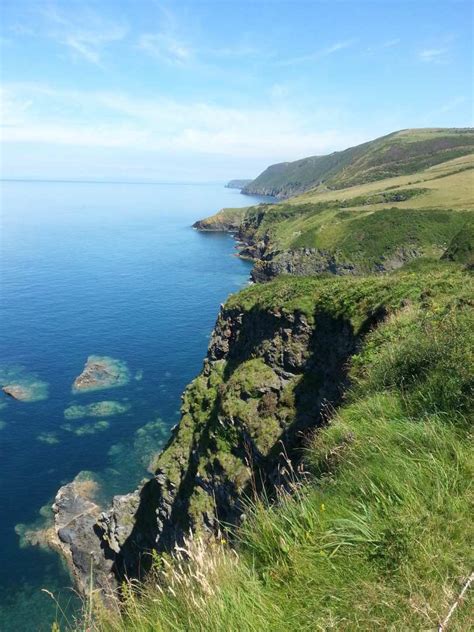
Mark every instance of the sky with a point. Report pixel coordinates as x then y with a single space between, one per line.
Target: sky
212 90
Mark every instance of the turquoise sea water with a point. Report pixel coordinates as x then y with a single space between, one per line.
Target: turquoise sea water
96 269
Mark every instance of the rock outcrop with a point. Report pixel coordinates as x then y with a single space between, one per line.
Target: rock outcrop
17 391
268 378
226 220
30 390
75 536
309 261
257 244
101 372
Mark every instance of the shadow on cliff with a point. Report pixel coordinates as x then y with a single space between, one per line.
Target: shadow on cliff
324 381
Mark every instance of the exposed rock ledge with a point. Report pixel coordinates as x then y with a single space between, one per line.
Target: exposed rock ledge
74 535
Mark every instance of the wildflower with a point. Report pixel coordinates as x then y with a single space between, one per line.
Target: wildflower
323 507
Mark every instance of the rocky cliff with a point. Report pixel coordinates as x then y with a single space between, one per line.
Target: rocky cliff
273 370
361 232
278 358
256 230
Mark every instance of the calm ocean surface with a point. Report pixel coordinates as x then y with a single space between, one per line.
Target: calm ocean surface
104 269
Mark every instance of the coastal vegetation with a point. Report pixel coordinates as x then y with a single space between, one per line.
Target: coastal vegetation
320 477
369 228
376 531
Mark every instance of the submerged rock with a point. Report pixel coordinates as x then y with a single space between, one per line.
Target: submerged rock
106 408
101 372
26 392
20 384
51 438
86 429
16 391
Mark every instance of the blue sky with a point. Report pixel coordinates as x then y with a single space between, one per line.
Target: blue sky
150 90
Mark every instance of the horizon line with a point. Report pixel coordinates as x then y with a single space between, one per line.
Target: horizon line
114 181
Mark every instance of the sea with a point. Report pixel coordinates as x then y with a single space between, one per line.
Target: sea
109 269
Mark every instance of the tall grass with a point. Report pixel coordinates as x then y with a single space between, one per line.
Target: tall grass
378 535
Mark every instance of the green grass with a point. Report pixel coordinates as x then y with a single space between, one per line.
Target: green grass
378 533
398 154
357 298
223 220
449 185
372 226
461 247
363 235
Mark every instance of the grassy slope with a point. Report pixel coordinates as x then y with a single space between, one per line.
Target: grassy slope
449 183
400 153
224 220
367 222
378 535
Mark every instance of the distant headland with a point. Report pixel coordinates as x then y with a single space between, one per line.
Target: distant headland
237 184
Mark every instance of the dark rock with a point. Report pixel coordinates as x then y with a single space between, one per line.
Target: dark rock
75 535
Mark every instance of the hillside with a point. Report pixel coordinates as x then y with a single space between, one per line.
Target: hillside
401 153
366 228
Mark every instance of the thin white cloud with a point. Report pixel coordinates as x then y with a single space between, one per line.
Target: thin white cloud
83 32
173 49
314 56
167 43
279 91
233 51
433 55
113 120
391 43
165 48
175 42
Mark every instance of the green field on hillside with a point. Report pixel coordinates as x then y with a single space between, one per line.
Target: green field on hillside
397 154
369 224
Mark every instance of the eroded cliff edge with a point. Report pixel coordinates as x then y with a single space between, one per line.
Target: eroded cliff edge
350 237
275 369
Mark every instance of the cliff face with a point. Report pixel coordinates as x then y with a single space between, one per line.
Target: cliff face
278 357
354 236
276 369
269 377
256 236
